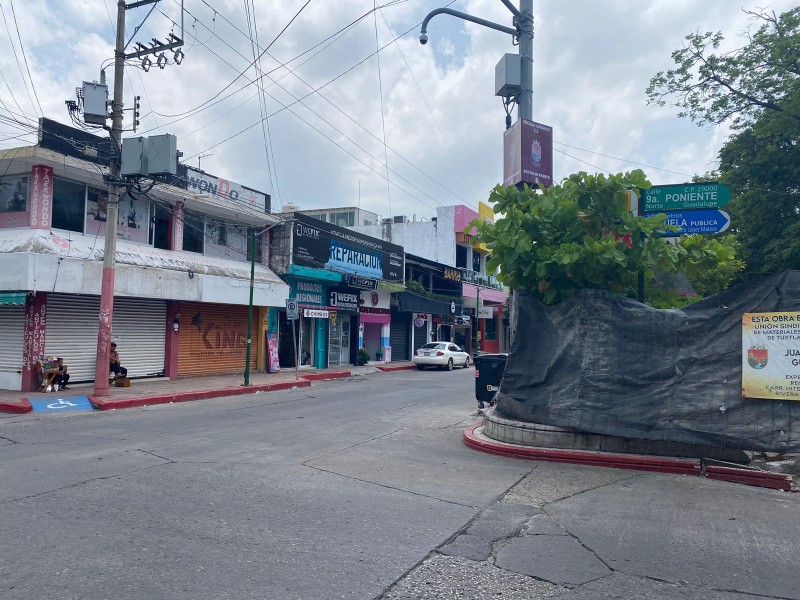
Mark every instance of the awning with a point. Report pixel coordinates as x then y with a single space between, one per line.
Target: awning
12 298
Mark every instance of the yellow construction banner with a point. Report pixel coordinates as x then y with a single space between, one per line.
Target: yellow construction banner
771 355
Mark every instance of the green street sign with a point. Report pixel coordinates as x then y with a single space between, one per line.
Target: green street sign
687 196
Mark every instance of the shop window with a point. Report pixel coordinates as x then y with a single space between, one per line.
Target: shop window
194 228
14 193
461 257
476 261
69 205
159 227
343 219
491 330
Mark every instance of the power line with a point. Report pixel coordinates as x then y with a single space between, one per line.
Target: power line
25 58
620 159
383 118
19 66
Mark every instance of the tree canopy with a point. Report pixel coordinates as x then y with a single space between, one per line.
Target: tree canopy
711 87
580 234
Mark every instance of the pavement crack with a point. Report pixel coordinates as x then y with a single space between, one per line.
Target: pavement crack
388 487
169 460
367 441
9 440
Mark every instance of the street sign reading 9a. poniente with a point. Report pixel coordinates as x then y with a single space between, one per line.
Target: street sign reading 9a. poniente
690 196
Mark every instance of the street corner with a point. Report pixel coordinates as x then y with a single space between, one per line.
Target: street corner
21 407
58 404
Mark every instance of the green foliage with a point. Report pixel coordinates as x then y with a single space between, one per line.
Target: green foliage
556 241
762 166
712 87
711 279
363 356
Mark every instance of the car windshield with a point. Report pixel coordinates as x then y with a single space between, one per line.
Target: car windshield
434 346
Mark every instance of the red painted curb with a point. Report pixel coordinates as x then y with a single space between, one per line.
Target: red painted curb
321 376
775 481
679 466
22 407
398 368
102 404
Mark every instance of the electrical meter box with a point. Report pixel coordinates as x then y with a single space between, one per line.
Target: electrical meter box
162 154
134 156
95 103
507 76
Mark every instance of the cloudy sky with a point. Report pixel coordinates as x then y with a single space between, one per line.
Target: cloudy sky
337 110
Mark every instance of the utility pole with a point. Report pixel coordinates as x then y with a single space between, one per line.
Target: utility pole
107 282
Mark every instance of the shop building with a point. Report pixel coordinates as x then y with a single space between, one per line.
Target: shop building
342 282
446 239
182 274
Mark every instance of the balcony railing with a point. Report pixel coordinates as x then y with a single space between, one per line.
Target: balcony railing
483 279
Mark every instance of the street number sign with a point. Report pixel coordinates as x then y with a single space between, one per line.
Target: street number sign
292 314
692 196
693 222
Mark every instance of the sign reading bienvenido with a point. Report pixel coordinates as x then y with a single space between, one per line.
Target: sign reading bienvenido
690 196
321 245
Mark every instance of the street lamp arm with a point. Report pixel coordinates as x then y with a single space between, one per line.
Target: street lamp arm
423 38
514 10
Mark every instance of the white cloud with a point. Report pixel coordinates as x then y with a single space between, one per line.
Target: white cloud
593 61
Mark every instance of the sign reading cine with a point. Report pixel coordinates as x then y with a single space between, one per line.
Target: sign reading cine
686 196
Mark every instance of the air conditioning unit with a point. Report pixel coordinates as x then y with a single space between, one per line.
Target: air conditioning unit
400 219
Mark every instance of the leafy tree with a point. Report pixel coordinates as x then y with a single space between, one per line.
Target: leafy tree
762 166
711 87
579 234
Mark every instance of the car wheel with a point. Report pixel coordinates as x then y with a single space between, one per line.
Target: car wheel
420 367
449 364
466 363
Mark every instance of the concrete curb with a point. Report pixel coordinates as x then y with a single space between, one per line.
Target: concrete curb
400 368
22 407
101 404
637 462
323 376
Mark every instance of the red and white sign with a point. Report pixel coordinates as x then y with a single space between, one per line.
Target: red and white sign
313 313
177 227
41 197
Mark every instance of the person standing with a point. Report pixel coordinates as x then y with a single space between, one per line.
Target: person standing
115 366
62 377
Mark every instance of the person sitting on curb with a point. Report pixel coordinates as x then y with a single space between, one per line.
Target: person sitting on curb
116 367
62 378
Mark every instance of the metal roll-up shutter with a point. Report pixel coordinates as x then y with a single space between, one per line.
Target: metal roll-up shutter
139 327
398 336
213 339
420 336
12 334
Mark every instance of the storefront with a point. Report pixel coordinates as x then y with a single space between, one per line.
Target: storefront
12 332
374 325
335 272
213 339
139 329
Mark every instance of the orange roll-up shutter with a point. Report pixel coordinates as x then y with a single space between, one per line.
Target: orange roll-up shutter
213 339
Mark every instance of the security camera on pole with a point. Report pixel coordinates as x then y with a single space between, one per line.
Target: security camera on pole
522 94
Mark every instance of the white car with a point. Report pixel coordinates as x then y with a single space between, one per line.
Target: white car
444 355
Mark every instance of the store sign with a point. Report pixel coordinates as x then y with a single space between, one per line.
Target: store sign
362 283
317 244
344 299
313 313
41 197
483 279
771 355
485 312
308 292
210 186
452 274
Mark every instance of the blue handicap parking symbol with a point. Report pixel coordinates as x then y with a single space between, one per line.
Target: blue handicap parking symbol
56 404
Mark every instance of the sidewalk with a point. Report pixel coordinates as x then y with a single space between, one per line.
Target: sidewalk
145 392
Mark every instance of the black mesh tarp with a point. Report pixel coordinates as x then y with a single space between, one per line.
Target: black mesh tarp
604 364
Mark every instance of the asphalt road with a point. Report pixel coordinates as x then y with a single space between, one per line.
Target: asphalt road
360 488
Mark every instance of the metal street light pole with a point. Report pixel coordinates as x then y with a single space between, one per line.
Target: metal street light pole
253 245
107 282
523 32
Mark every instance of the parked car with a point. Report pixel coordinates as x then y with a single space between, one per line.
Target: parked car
444 355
